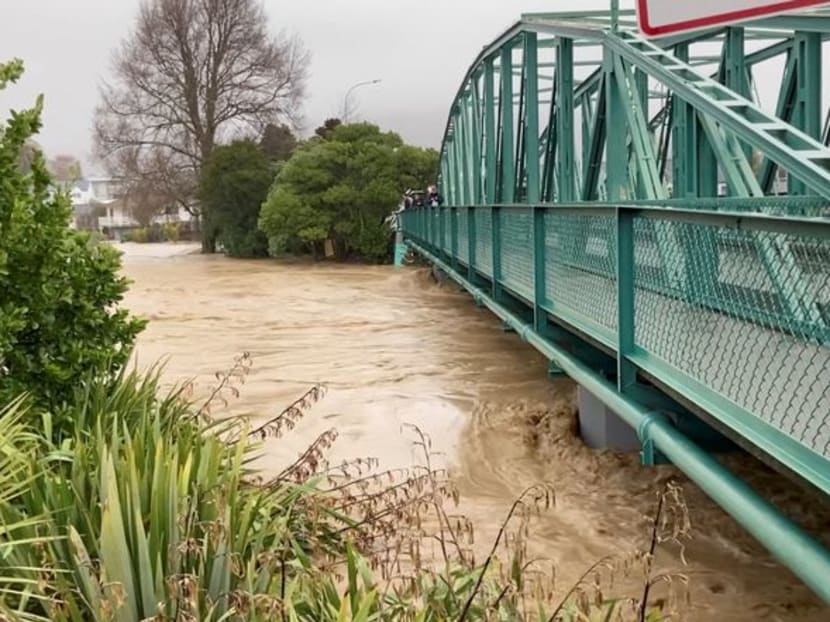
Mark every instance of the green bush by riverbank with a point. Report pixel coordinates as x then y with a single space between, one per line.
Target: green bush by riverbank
167 232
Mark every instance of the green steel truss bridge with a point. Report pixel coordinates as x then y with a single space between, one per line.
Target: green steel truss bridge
631 209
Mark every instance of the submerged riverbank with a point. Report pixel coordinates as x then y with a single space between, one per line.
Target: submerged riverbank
394 348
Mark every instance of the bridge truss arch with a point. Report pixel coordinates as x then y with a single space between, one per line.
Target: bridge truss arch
654 219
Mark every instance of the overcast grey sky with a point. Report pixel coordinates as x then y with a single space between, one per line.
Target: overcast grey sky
419 48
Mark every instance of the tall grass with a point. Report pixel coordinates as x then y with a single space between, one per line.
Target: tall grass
136 504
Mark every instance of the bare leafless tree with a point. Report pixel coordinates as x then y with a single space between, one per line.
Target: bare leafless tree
144 201
191 74
64 168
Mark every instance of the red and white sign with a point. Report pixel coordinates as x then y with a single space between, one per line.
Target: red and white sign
663 17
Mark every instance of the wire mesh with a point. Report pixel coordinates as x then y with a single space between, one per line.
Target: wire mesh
462 245
745 313
517 251
580 266
484 241
748 319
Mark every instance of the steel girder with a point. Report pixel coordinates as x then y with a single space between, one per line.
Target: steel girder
716 115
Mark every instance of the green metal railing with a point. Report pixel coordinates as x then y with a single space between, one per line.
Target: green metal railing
730 311
689 299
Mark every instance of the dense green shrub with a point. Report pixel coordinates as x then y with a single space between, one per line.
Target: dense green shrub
342 187
171 232
167 232
235 182
139 235
59 315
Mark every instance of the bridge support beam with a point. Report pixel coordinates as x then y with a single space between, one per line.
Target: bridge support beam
600 427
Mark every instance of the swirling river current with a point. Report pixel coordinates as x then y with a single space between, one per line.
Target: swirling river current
394 347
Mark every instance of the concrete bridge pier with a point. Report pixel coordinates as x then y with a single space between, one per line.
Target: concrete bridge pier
602 428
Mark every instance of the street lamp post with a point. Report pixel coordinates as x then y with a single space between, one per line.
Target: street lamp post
346 112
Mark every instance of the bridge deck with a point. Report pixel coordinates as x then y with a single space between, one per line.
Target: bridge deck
730 312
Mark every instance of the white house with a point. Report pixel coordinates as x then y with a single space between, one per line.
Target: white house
97 204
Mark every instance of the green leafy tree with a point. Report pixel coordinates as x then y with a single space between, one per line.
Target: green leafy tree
59 315
342 188
235 183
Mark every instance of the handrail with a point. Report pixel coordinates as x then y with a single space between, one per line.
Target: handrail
766 292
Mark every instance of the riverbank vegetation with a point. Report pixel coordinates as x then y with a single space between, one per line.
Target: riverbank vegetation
189 77
340 187
58 316
120 501
235 182
213 143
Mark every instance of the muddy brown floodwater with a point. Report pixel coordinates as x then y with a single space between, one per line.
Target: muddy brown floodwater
394 348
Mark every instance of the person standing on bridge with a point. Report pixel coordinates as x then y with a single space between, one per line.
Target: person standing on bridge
434 198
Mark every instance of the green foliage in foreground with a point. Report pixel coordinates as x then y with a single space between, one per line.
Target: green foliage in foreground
342 187
152 510
59 316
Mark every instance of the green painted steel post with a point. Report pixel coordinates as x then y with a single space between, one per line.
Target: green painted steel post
495 246
464 153
531 129
736 76
616 173
452 213
565 171
648 178
592 158
508 164
707 165
640 95
471 136
540 316
448 171
587 115
460 160
684 141
626 370
477 134
489 133
694 163
518 158
471 244
734 59
467 154
549 162
807 111
531 156
457 171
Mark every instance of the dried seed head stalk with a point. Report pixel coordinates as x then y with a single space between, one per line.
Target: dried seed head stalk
226 384
290 416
